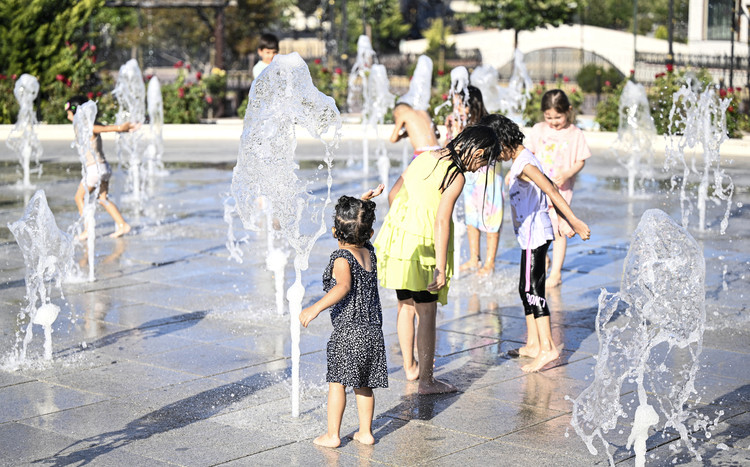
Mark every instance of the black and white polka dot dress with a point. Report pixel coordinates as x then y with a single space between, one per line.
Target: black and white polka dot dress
356 350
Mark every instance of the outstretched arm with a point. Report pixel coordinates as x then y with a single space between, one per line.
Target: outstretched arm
121 128
442 231
343 276
579 227
372 193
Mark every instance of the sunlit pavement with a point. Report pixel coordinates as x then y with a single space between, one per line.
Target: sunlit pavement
175 354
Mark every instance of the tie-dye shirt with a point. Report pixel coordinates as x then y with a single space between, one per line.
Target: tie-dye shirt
558 150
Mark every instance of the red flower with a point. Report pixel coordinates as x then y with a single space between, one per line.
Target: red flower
445 97
566 79
737 89
14 76
90 95
60 78
98 94
670 68
632 72
198 75
179 64
723 92
730 108
441 72
541 83
93 48
324 70
209 99
317 61
67 82
572 90
607 83
538 91
148 77
188 67
84 46
337 71
93 59
2 77
67 43
181 92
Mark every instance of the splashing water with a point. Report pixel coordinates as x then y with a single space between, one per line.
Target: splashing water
22 138
651 334
48 255
83 124
699 118
459 86
420 86
280 98
513 98
131 96
634 135
155 148
485 78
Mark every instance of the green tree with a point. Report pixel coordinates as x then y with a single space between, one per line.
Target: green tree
522 15
383 20
37 32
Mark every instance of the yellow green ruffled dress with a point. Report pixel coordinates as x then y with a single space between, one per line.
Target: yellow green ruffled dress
406 241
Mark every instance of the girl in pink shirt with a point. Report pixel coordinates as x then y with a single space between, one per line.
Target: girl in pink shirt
561 148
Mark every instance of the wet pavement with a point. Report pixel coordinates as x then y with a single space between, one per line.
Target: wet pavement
175 354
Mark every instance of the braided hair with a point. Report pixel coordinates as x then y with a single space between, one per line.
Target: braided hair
353 220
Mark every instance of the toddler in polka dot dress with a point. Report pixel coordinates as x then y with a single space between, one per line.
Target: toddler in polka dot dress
356 349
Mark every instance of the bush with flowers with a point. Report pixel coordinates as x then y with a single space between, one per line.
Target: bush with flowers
8 104
184 101
533 111
330 82
608 109
440 91
660 93
216 87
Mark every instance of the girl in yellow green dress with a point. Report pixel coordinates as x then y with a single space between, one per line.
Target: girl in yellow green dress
415 243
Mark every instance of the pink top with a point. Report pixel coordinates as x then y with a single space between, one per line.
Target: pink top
558 149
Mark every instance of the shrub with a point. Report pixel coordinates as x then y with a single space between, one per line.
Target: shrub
184 102
608 109
332 83
660 94
594 78
8 103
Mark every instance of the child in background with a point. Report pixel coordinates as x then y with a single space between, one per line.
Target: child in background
415 243
268 47
98 171
561 148
529 191
483 192
416 125
356 350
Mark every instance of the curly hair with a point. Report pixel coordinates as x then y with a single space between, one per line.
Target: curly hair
353 220
506 130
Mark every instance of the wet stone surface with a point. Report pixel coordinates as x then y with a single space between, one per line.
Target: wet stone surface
175 354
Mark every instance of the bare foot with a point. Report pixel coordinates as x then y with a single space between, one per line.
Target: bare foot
412 374
328 441
469 265
554 280
364 438
544 357
435 387
486 270
530 351
121 230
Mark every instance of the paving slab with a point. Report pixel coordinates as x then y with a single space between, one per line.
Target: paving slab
175 354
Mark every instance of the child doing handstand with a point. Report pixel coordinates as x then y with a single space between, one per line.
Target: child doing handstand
98 171
531 222
356 350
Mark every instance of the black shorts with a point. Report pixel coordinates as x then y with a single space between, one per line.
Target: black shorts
422 296
532 283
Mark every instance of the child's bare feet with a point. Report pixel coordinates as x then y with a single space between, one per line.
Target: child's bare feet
328 441
554 280
364 438
530 351
412 374
544 357
435 387
487 269
473 263
121 230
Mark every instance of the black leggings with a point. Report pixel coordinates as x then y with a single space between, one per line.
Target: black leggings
531 285
422 296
